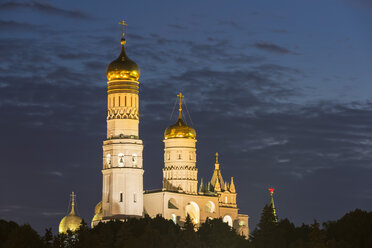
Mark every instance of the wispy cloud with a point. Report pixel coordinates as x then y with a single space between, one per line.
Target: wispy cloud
273 48
45 8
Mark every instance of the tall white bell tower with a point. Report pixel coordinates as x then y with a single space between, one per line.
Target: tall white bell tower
122 193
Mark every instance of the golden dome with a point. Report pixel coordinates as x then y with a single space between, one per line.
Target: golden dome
71 221
97 213
122 68
180 129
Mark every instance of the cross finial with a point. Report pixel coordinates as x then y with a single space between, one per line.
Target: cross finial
180 108
216 157
124 24
73 196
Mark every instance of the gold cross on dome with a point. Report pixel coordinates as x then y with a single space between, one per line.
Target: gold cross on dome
73 196
180 108
216 157
124 24
180 96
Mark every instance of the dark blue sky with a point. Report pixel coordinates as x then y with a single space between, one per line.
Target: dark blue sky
281 89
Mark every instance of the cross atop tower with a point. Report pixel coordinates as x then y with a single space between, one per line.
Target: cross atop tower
180 108
73 197
216 157
124 24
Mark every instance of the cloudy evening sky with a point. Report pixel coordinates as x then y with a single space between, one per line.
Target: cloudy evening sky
281 89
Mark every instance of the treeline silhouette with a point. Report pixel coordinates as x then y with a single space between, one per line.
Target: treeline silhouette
354 230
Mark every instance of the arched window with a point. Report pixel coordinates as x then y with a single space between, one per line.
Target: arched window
108 160
134 160
210 207
227 219
121 197
121 159
225 199
172 204
192 210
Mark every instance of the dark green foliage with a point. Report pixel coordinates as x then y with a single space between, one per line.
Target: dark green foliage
23 236
215 233
316 236
351 231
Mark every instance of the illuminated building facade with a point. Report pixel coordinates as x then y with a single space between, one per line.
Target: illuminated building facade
123 195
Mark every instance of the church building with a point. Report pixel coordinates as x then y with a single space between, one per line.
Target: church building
182 195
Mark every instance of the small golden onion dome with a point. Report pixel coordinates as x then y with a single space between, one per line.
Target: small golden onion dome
71 221
123 68
180 130
97 214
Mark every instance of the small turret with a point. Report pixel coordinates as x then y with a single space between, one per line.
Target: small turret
232 186
217 186
201 188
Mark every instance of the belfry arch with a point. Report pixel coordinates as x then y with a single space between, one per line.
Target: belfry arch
192 209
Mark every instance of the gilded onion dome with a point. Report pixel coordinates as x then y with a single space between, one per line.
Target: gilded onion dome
180 129
97 213
71 221
123 68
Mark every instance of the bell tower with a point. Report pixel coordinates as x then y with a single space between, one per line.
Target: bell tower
180 172
122 193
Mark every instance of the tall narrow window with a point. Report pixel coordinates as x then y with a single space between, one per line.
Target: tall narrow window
113 101
134 197
131 101
121 197
134 160
121 159
125 101
119 101
225 199
179 155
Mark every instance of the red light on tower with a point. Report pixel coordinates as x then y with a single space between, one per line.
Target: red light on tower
271 190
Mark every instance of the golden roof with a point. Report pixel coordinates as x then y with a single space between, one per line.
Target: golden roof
123 68
71 221
180 129
97 213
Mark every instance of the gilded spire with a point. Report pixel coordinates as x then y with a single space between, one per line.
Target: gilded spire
224 186
271 189
180 105
73 196
217 165
232 185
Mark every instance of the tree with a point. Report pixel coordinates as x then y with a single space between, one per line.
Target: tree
267 234
23 236
316 236
218 234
